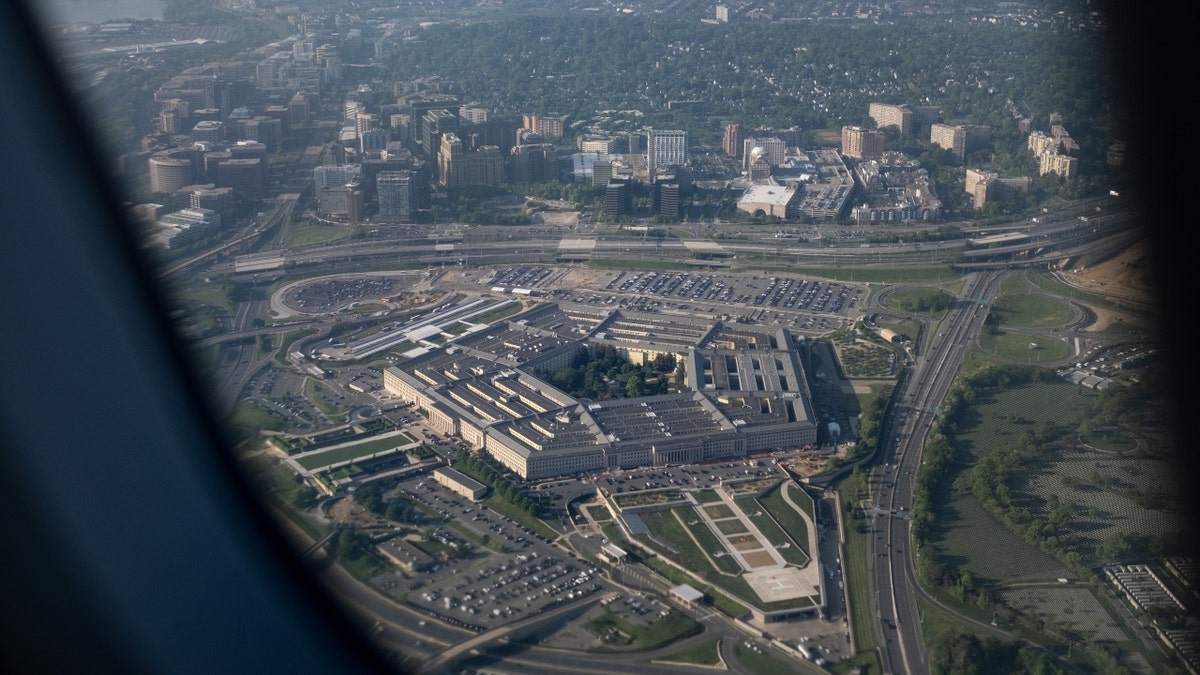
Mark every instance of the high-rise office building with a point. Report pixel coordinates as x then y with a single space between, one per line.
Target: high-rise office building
665 148
601 145
265 130
170 121
602 172
904 117
298 109
434 125
397 201
668 199
547 126
245 176
345 202
473 114
350 110
533 164
960 139
365 121
336 175
373 140
209 131
458 167
416 106
887 115
251 150
860 143
732 140
771 149
616 198
172 170
211 197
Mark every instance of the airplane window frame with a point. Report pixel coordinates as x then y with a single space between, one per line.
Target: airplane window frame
125 387
137 545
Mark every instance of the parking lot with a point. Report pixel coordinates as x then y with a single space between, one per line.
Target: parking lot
812 305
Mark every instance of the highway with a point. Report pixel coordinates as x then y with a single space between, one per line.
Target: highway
893 579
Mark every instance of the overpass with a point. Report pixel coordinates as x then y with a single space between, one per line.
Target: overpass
503 634
443 661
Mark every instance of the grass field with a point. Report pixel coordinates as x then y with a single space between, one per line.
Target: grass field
1050 284
698 549
971 539
1023 347
730 527
854 567
918 274
306 234
998 418
909 299
355 451
1033 310
1126 489
763 661
787 517
312 391
248 417
622 633
1072 609
706 653
718 511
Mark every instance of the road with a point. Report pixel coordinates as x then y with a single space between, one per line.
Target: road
893 578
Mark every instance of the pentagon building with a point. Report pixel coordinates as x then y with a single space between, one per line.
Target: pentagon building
744 392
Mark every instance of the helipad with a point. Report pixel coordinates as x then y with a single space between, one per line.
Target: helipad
777 585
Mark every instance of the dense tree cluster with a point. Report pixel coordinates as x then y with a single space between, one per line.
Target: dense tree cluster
396 508
928 303
777 74
602 372
474 465
966 654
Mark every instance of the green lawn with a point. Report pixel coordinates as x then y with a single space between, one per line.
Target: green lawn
356 451
1023 347
307 234
248 419
787 517
765 662
663 631
911 299
1033 310
335 413
854 566
703 654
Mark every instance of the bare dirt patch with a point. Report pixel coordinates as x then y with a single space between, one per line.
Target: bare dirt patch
584 278
745 542
806 466
759 559
1126 277
346 510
